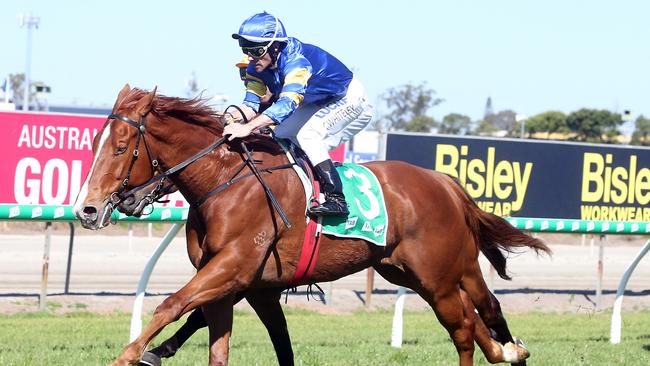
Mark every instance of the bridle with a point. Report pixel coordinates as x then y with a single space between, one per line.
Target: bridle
117 197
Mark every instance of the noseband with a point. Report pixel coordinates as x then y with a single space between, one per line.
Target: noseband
116 197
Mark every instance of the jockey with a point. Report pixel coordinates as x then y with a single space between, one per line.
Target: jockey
320 103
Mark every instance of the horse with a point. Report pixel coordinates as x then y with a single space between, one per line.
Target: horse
435 229
263 301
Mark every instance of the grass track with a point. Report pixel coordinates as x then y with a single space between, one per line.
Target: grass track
356 339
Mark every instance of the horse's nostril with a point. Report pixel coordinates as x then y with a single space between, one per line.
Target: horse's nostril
90 210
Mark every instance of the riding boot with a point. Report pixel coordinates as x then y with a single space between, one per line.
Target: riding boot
330 182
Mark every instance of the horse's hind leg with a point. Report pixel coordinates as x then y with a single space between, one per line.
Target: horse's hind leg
493 350
218 315
266 303
490 312
448 306
467 314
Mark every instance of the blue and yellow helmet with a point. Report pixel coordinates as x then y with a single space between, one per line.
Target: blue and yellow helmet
261 28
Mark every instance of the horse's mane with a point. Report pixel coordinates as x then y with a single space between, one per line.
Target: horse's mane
194 110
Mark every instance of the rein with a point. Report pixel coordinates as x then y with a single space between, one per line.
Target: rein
157 192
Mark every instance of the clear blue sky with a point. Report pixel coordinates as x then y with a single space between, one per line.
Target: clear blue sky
529 56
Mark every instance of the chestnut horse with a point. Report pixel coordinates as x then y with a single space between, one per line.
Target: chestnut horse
263 301
435 230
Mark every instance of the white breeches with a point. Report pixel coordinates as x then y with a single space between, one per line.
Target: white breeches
318 129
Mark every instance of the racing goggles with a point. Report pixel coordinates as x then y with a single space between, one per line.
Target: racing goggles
256 51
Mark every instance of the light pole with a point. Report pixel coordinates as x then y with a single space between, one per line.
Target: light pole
521 119
30 21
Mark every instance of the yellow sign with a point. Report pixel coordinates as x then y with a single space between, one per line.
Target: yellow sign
486 178
608 184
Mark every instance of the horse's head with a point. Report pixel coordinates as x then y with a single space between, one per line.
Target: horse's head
121 159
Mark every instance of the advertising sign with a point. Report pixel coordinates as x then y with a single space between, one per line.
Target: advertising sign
45 156
529 178
45 159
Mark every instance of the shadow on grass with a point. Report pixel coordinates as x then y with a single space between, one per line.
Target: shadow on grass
586 293
320 296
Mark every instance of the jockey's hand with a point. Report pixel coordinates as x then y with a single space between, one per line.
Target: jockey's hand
227 118
237 130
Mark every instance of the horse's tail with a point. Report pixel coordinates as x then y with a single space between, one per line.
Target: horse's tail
494 234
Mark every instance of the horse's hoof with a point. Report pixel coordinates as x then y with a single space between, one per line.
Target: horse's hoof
514 353
149 359
519 342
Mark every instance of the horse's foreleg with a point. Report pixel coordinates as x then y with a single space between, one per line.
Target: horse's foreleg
223 275
218 315
266 303
168 348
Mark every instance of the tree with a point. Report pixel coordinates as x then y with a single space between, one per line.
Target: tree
420 124
492 124
407 102
641 134
455 124
485 127
591 125
17 82
505 120
548 122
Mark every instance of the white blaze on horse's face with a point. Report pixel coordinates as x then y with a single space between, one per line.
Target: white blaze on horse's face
83 193
93 206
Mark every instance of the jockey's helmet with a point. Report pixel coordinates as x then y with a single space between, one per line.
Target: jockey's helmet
260 31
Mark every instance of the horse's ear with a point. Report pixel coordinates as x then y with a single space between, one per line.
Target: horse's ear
144 105
120 97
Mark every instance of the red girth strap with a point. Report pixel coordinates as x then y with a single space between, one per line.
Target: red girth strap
310 245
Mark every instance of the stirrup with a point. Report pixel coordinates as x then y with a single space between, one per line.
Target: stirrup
329 208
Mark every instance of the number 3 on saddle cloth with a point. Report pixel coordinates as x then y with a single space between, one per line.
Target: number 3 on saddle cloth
367 219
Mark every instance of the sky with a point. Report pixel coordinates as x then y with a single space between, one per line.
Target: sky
528 56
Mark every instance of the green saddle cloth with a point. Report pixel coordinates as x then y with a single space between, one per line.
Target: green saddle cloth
367 219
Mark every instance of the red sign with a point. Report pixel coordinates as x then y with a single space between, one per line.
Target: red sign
338 154
45 157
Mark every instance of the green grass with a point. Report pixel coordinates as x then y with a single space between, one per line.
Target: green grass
357 339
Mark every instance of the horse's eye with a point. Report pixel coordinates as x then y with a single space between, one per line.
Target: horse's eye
120 149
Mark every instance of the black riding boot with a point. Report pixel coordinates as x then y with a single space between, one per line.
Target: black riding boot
330 181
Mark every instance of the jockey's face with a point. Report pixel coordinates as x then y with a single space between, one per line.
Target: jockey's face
261 63
259 53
